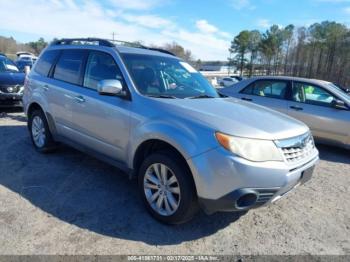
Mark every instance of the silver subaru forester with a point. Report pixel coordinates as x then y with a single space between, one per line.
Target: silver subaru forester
154 116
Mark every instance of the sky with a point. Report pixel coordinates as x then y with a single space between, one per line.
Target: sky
205 27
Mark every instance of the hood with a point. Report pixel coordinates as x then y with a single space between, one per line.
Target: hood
238 118
10 79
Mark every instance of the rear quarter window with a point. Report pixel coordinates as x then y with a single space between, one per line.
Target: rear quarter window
44 64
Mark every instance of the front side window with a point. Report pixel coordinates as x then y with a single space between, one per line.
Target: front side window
69 66
167 77
45 62
100 66
310 94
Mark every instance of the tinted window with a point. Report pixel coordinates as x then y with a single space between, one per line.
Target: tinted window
248 90
69 66
273 89
100 66
45 62
310 94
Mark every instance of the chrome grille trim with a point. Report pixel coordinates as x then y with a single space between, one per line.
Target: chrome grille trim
297 149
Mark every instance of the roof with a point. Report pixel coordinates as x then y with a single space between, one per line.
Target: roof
290 78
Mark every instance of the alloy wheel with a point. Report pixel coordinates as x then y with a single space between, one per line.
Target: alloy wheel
162 189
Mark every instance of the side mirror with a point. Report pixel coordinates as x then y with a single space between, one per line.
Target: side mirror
110 87
339 104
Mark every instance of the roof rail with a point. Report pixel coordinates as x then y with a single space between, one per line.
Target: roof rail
72 41
127 43
107 42
160 50
138 45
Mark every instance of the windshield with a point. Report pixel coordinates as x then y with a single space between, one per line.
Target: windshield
6 65
340 89
167 77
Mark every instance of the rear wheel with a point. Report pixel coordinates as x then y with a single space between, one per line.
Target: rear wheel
40 133
167 188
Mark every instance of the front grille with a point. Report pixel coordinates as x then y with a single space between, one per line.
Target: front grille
295 154
298 148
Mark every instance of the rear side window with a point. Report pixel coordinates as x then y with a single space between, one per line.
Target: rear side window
45 62
69 66
272 89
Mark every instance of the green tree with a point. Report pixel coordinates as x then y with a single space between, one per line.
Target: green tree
240 46
38 46
253 47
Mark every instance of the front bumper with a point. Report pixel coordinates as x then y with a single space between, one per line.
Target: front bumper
222 179
10 99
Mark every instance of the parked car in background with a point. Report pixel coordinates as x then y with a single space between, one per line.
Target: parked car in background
11 83
157 118
26 57
238 78
227 81
323 106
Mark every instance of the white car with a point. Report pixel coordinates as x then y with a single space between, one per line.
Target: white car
227 81
26 56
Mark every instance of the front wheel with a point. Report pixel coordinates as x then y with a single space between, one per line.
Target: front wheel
167 188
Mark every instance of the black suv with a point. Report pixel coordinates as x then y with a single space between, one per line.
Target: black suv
11 83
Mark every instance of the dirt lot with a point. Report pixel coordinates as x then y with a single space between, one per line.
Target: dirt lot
70 203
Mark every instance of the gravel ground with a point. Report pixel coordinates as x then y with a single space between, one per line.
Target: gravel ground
70 203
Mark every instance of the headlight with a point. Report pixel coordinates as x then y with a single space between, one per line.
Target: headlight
251 149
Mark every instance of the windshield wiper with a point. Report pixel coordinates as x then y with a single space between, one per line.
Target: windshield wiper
200 96
163 96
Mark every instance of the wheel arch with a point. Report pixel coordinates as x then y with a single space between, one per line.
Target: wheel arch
151 146
36 106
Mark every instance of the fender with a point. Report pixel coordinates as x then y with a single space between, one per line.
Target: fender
189 142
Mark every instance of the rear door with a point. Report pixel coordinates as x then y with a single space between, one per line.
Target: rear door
312 105
66 77
269 93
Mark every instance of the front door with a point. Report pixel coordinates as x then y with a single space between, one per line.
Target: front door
101 121
312 105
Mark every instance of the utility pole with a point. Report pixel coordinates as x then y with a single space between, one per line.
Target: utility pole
113 34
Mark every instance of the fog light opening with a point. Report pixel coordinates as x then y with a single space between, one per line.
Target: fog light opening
246 201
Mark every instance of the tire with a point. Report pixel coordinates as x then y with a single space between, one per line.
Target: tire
186 199
40 133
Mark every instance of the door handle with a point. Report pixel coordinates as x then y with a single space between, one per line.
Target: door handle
297 108
79 99
246 99
45 87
